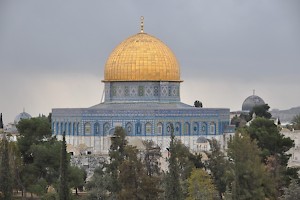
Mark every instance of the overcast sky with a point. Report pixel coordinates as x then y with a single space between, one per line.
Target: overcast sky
53 52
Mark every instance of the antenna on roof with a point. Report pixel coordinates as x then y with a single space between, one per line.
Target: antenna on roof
142 24
253 91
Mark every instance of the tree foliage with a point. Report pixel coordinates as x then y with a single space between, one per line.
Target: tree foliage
218 165
261 111
76 177
32 131
64 190
173 190
128 174
247 172
198 104
200 186
269 139
1 121
40 165
6 181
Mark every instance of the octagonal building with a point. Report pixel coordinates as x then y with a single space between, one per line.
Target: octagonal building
142 94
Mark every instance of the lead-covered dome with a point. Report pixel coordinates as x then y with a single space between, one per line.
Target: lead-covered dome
22 115
142 57
252 101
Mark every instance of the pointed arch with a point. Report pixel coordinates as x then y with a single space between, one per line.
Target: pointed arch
212 128
195 128
106 128
148 128
129 128
87 128
169 128
96 128
159 128
177 128
74 128
204 128
186 128
69 128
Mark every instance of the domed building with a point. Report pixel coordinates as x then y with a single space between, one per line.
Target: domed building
252 101
22 115
142 95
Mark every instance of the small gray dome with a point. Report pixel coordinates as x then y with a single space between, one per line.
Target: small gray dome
251 102
202 140
22 115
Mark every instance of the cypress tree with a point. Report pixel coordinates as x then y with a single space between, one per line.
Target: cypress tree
5 173
1 121
173 188
63 185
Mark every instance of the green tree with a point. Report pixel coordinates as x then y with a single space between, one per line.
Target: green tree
64 190
274 148
116 157
247 172
6 181
44 167
151 158
296 122
198 104
1 121
131 175
270 140
173 189
76 177
200 186
261 111
218 165
40 155
32 131
152 177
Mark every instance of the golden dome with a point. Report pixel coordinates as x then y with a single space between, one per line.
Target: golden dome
142 57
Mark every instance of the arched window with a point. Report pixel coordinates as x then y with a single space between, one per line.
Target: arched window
74 128
169 128
129 128
87 128
204 128
77 128
186 128
212 128
65 128
138 128
195 128
159 127
96 129
61 128
53 127
69 128
106 127
57 128
148 128
177 128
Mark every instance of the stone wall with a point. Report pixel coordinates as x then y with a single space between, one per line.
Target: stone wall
88 162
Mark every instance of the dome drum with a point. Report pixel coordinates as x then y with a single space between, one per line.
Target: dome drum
142 91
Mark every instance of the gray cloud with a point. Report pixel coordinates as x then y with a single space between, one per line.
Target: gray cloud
237 44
